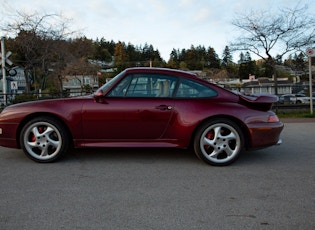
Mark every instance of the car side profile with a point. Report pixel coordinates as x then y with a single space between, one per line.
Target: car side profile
302 98
145 107
294 99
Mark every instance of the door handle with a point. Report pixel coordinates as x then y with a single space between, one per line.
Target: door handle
164 107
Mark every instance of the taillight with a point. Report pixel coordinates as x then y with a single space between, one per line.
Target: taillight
273 118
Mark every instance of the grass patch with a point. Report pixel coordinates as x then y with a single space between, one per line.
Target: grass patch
300 114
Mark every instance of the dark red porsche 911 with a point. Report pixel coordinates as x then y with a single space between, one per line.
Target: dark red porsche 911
145 107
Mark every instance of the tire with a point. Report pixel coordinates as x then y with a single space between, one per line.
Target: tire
44 139
218 142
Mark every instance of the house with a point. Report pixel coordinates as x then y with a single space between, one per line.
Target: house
267 86
77 85
260 86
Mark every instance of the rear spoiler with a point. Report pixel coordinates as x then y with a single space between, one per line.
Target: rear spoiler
262 102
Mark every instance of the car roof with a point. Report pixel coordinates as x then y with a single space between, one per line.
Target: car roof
161 70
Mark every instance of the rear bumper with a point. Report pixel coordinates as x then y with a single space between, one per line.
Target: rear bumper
264 134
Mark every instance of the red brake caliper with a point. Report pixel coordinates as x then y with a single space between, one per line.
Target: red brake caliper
209 136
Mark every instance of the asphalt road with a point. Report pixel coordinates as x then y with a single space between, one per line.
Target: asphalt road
272 188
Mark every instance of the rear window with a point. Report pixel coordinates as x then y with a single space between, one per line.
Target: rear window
191 89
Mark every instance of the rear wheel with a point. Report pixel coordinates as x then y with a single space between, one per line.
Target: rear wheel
44 139
218 142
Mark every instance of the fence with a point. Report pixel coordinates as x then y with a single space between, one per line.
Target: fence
12 98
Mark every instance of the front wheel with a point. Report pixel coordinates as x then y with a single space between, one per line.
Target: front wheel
44 139
218 142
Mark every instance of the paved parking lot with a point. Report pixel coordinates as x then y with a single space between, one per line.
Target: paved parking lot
272 188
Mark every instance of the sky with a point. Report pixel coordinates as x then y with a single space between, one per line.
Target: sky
165 24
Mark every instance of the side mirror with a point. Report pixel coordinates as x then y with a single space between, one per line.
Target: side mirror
98 96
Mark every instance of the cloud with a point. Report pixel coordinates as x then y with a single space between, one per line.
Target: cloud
186 3
202 15
162 23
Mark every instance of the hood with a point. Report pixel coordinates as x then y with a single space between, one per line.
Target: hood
50 101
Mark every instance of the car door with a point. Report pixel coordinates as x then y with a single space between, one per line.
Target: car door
135 109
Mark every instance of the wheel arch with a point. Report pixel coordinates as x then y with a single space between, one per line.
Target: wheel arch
41 114
238 122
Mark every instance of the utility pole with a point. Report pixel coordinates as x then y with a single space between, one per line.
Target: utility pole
4 59
4 79
311 83
310 53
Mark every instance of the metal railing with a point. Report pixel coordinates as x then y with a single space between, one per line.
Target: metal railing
12 98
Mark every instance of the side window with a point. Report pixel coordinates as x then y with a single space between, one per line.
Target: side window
140 86
145 85
165 86
191 89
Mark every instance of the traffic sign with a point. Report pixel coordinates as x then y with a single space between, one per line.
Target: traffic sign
310 52
14 85
7 60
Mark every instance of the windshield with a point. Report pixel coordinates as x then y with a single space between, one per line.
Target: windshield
108 84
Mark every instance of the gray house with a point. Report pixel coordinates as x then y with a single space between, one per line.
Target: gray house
77 85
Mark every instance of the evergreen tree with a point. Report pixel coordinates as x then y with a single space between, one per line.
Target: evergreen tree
246 67
242 58
300 62
102 51
134 55
174 59
226 58
247 57
212 59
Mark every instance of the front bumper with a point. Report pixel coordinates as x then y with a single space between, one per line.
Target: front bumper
8 132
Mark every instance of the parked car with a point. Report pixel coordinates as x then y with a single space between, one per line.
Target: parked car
145 107
294 99
302 99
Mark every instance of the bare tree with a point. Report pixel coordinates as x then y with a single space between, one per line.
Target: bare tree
36 42
269 34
